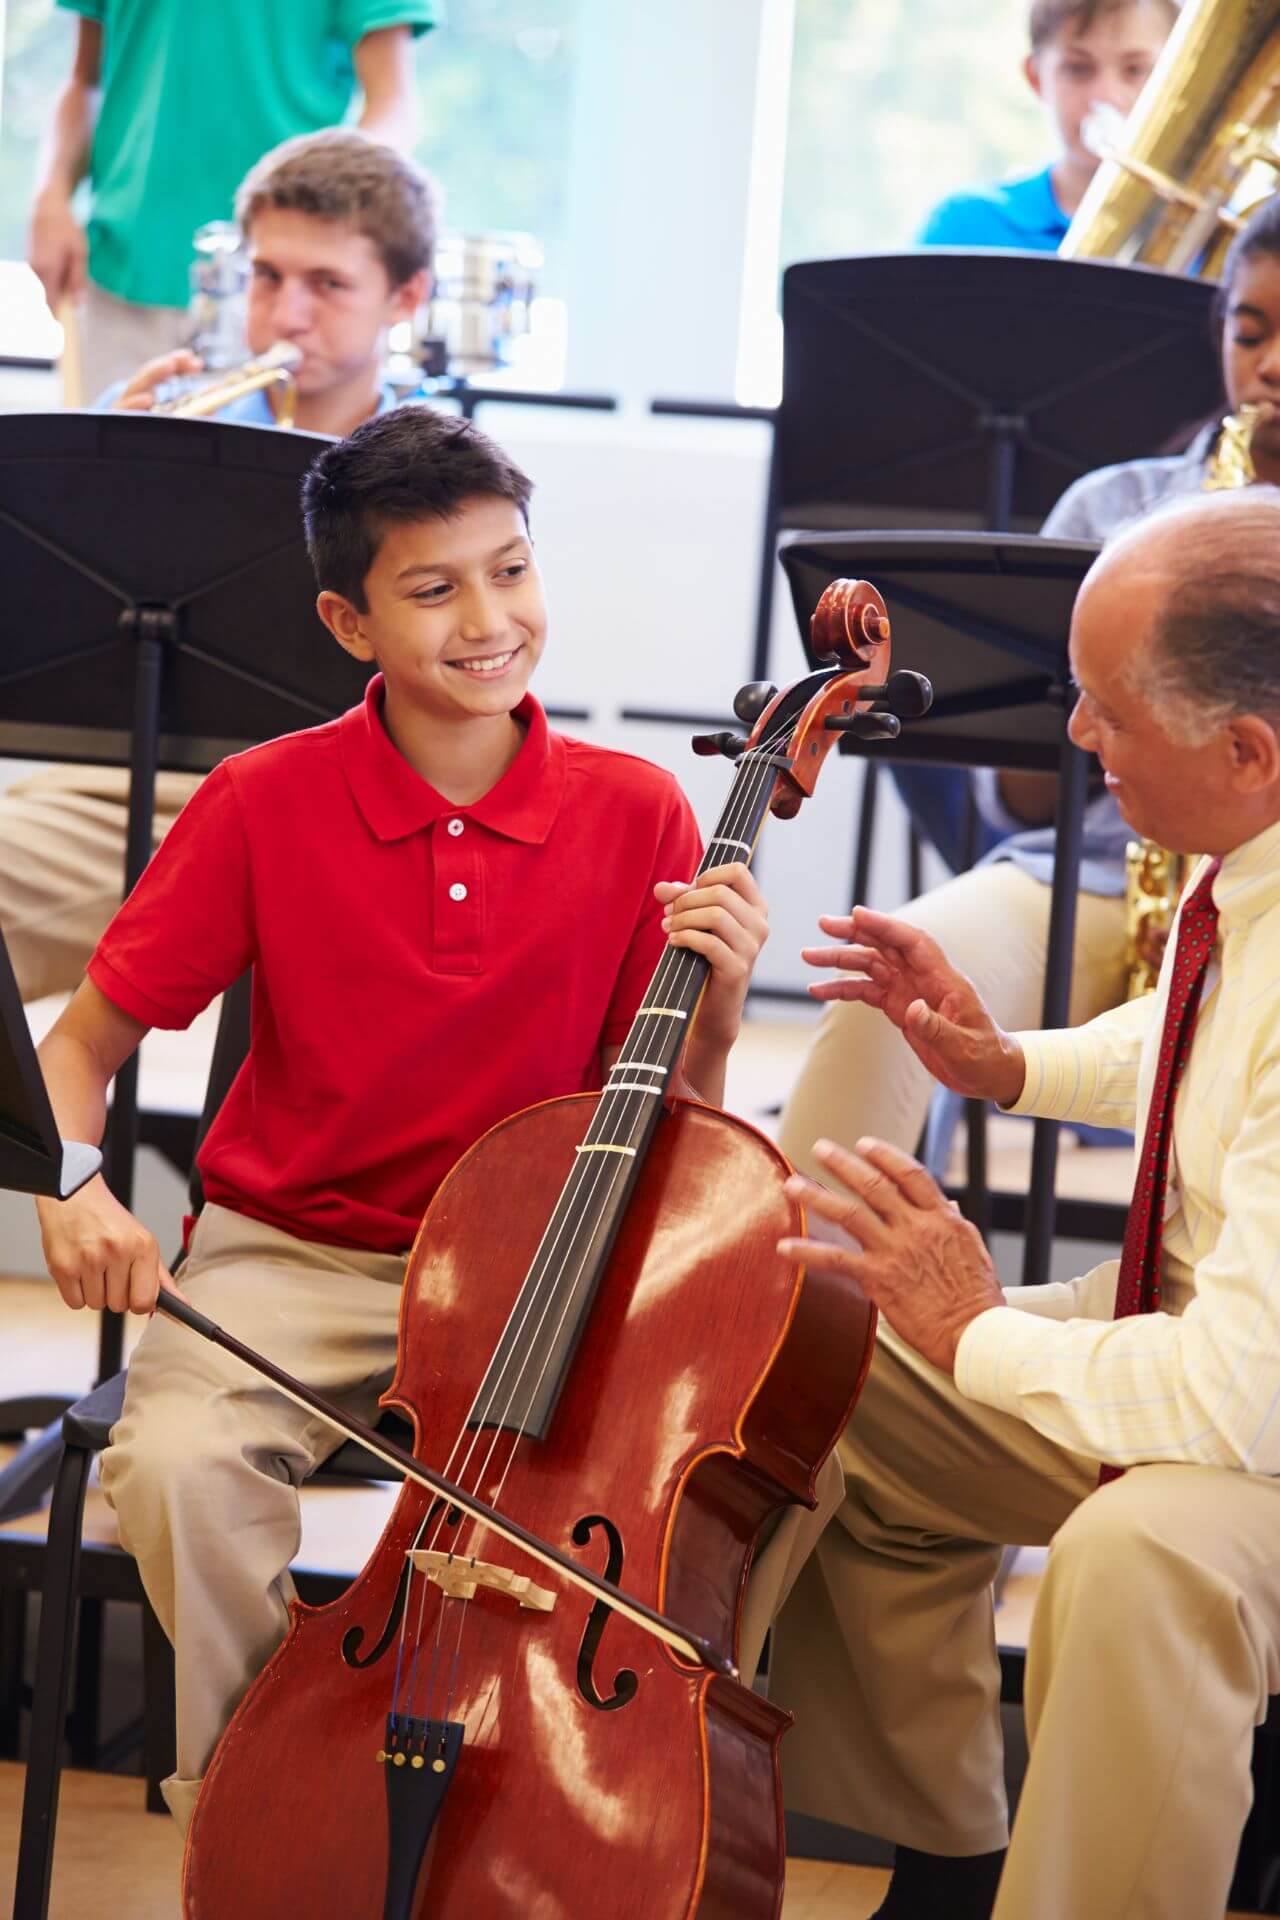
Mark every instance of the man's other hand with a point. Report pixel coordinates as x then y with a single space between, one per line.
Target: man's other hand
924 1266
905 974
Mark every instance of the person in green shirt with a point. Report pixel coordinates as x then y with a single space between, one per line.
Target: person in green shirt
167 107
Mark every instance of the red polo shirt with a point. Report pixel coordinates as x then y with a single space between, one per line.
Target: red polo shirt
421 970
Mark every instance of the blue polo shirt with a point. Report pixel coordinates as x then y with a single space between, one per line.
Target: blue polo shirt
1012 213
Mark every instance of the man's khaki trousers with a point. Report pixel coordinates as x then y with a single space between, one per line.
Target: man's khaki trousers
1155 1645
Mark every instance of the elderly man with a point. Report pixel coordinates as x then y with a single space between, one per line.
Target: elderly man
990 1417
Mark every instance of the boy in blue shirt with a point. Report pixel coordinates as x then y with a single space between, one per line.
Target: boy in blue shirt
1083 53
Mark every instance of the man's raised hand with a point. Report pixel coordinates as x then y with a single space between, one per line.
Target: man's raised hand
897 968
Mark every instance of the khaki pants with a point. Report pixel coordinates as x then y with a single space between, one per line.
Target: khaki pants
62 848
861 1077
206 1459
1155 1645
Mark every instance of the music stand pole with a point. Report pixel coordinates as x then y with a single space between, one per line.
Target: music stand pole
151 627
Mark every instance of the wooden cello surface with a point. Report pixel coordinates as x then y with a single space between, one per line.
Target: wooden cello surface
460 1735
572 1796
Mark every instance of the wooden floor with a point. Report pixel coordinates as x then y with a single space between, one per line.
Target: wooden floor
114 1859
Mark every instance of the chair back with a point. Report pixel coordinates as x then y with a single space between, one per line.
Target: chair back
230 1050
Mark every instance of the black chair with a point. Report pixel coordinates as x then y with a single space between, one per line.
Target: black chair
71 1578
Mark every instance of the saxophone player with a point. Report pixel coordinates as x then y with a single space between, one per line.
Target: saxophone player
860 1076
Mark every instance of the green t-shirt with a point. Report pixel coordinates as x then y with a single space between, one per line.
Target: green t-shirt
193 93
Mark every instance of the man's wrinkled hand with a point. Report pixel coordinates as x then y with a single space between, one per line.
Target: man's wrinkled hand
897 968
923 1265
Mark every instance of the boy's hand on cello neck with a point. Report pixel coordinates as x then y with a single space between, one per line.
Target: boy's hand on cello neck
723 916
98 1254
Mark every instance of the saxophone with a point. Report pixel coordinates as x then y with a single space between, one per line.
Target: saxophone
1154 877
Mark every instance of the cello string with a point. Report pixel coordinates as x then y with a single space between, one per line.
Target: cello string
619 1112
615 1116
613 1111
607 1113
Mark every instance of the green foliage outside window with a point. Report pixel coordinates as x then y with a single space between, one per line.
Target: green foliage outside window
895 103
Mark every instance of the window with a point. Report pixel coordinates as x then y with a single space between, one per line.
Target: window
893 105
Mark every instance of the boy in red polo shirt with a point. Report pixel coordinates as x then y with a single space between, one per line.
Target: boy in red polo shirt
451 913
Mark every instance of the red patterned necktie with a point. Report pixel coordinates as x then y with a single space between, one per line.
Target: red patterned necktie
1138 1284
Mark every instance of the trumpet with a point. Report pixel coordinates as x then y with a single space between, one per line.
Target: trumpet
275 367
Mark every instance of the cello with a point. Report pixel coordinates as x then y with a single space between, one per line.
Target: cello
623 1385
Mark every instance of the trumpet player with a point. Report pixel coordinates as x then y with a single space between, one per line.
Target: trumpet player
165 106
340 230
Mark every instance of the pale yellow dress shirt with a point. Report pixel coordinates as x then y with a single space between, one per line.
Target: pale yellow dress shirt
1198 1381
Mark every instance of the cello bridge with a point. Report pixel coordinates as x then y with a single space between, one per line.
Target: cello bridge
459 1578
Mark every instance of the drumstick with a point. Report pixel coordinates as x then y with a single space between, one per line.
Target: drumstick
72 374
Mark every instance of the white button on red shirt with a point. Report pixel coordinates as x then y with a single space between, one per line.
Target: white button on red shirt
455 827
457 891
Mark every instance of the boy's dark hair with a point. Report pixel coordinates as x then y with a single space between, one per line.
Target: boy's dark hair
410 464
1049 17
344 175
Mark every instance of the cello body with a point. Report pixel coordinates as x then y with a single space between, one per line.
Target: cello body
599 1775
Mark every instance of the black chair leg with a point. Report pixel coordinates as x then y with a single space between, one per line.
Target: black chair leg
32 1471
86 1694
159 1731
49 1699
13 1657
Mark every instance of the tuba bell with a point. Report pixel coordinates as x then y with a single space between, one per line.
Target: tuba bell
1200 147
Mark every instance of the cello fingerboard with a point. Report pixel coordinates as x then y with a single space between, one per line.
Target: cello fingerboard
525 1377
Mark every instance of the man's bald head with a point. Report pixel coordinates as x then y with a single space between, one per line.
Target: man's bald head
1175 646
1211 566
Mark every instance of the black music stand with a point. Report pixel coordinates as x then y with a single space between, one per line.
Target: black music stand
985 617
33 1159
967 388
33 1156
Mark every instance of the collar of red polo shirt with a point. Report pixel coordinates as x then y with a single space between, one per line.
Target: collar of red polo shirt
396 801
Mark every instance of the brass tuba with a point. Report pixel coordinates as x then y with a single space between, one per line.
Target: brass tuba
1201 144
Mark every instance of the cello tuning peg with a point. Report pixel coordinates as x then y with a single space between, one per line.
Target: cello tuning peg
729 744
866 726
749 702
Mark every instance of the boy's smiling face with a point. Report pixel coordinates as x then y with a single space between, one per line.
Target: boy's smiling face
456 616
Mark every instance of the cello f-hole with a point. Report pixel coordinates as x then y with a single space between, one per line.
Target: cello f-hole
625 1682
353 1639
